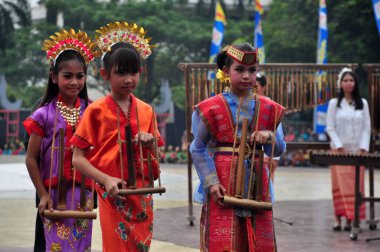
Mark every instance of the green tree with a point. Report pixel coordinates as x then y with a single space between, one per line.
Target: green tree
12 14
353 35
290 31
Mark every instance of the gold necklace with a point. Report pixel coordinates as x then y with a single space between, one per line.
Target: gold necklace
71 115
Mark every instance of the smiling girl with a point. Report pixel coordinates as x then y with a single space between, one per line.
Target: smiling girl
61 107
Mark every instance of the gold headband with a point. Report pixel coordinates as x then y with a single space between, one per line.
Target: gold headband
122 32
246 58
70 40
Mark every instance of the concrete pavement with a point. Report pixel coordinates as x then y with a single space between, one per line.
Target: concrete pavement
303 197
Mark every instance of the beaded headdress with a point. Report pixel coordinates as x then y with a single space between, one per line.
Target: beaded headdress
122 32
70 40
340 75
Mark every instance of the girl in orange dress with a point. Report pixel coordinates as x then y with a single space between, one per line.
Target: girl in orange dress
126 222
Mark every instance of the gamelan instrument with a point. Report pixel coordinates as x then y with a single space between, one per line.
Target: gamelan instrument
148 186
325 158
62 211
371 161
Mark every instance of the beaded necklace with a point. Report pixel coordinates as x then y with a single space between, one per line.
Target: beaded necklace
71 115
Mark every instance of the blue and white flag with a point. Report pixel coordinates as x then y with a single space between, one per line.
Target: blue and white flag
322 33
259 37
321 110
217 32
376 9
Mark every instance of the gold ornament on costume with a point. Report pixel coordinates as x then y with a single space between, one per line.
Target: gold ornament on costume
70 40
122 32
71 115
220 75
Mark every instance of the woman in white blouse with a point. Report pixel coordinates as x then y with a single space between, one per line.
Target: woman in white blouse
349 128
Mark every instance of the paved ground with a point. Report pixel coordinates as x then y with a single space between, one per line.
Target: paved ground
303 197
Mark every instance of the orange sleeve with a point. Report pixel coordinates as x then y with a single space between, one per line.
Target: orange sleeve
84 136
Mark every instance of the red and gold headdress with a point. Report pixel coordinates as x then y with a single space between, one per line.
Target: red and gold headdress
70 40
246 58
122 32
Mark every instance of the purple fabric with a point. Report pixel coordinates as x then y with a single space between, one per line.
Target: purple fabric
44 116
61 234
69 234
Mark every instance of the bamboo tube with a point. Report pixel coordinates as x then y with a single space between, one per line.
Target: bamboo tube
129 150
242 148
150 171
53 148
120 142
61 205
246 203
232 167
69 214
148 190
82 199
155 130
140 147
255 123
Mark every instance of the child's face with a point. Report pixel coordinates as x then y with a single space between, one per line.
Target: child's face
70 78
123 83
242 76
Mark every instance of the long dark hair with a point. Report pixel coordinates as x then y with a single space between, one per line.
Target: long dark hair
223 59
355 93
52 89
123 57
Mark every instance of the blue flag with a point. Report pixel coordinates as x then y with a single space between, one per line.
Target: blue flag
376 9
321 110
322 33
259 37
217 32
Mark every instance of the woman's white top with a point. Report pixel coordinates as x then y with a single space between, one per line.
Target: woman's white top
347 127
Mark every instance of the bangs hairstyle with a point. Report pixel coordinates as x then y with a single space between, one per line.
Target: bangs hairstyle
222 59
122 58
52 89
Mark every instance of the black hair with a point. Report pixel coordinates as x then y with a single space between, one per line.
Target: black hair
123 57
52 89
222 59
355 92
261 79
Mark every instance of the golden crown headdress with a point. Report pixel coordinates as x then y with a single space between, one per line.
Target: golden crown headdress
70 40
122 32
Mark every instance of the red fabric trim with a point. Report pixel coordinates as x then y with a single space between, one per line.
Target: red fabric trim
31 126
79 142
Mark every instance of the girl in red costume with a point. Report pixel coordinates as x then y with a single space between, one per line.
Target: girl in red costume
214 121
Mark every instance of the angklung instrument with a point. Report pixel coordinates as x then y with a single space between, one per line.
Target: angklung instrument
85 210
253 198
147 187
